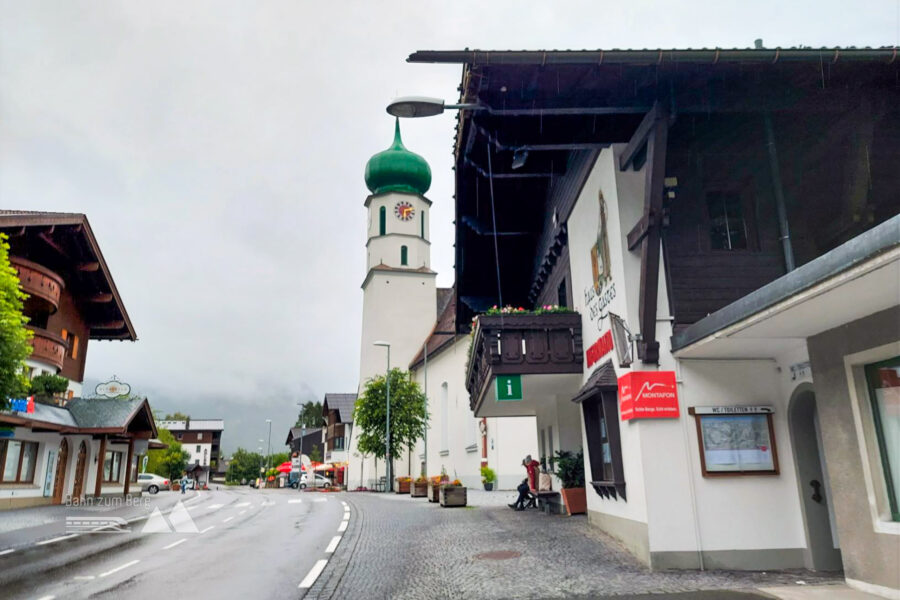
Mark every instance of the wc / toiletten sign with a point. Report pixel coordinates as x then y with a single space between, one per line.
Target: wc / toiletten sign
648 395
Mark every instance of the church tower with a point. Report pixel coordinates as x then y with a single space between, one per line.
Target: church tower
399 298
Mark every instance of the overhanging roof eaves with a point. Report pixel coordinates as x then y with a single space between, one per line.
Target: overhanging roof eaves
602 379
868 244
25 218
651 56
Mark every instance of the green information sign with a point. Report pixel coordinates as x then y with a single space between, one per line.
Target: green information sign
509 387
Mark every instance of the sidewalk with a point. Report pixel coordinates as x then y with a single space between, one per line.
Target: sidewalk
817 592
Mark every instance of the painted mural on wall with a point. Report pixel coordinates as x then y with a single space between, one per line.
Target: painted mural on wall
599 295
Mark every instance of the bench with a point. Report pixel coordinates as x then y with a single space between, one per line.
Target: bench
547 500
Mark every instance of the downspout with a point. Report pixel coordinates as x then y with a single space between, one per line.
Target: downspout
778 190
695 513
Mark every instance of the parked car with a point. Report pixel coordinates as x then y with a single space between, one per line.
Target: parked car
152 483
320 481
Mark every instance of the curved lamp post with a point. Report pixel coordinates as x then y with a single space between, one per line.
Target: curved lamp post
387 438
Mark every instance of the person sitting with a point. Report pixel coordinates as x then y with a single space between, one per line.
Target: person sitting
526 499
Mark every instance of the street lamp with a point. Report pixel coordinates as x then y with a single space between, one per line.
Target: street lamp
387 437
269 445
422 106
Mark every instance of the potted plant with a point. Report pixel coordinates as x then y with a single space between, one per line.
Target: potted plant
418 488
570 470
402 485
488 478
453 493
434 487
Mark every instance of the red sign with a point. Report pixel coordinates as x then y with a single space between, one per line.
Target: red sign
600 348
648 395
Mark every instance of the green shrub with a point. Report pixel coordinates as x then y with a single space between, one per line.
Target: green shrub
488 475
570 468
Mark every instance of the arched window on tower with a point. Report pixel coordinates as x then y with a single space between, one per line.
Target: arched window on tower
382 220
404 255
422 227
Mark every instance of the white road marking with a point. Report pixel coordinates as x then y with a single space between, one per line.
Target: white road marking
173 544
228 519
320 500
207 529
333 544
215 506
242 504
84 577
297 501
46 597
10 551
58 539
313 574
242 512
193 507
346 516
344 503
343 526
119 568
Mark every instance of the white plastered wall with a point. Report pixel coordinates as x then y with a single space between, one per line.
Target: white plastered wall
509 439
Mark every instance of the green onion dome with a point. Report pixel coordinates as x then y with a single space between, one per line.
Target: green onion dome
397 169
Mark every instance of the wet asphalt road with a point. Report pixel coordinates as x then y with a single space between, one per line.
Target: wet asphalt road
248 544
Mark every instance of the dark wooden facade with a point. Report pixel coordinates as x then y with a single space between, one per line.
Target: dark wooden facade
807 134
522 344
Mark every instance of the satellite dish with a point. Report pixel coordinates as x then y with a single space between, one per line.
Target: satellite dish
622 339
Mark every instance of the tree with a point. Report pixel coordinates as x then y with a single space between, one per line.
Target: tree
408 415
244 465
278 458
14 338
315 455
310 415
170 462
48 384
177 416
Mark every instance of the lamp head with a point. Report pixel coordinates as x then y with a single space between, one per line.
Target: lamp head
415 106
380 343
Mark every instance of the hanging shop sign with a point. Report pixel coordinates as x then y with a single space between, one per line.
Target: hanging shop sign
113 389
509 388
648 395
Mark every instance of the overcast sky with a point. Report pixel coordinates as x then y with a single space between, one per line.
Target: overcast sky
218 150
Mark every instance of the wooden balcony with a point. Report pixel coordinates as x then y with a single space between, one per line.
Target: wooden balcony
48 347
335 430
42 285
546 350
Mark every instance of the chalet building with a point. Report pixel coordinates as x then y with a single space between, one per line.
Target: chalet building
337 411
202 439
401 307
302 439
74 448
724 226
72 298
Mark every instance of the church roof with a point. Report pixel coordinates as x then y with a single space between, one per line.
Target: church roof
438 339
397 169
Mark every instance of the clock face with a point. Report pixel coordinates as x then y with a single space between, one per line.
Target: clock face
404 211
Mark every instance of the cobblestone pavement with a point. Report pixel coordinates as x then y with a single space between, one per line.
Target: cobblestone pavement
409 548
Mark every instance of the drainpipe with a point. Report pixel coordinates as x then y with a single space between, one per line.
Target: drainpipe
778 190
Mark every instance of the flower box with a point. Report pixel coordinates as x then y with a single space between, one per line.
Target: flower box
401 485
418 489
453 495
434 490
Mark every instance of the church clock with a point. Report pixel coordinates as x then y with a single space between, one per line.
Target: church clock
404 211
